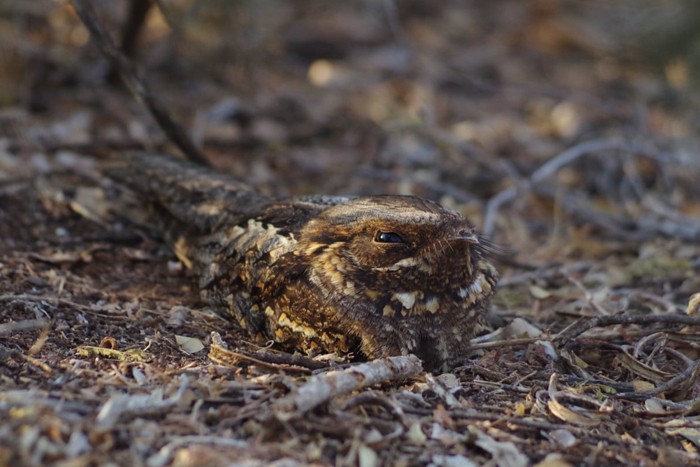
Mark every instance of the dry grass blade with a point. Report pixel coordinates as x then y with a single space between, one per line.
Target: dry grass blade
578 417
680 383
641 369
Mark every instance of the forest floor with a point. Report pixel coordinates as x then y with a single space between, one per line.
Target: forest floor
542 121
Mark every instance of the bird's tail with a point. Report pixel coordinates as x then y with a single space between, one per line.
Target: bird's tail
183 201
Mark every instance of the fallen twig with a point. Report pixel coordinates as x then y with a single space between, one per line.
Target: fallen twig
281 358
670 221
470 415
324 387
587 293
220 354
54 301
32 361
230 358
8 328
131 30
582 326
506 343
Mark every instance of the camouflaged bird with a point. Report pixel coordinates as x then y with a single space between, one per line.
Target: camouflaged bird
382 275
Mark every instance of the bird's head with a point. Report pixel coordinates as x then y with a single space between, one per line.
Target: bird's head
409 275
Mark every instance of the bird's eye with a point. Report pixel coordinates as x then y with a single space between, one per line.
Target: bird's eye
387 237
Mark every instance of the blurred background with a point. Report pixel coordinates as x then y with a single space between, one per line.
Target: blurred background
457 101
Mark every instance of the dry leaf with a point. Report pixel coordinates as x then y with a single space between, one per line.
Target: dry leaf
416 435
90 203
519 328
654 407
691 434
452 461
576 416
641 385
563 437
131 354
367 457
640 369
539 293
189 345
553 460
504 453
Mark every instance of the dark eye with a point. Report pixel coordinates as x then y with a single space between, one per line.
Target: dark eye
387 237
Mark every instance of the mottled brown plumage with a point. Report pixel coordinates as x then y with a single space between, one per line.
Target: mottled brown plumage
378 275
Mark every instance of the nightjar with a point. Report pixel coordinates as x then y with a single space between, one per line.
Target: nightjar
375 275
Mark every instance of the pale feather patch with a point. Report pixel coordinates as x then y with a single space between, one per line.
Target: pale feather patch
180 249
441 346
481 287
476 287
284 321
407 299
349 288
406 263
372 294
333 269
214 269
388 311
312 248
432 305
264 239
211 208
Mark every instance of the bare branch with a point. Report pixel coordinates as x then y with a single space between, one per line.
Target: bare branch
627 318
553 165
137 85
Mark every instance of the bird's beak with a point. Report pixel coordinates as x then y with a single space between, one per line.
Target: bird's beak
468 236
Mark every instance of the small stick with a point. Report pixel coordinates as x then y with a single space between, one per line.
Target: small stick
135 82
9 328
324 387
506 343
609 320
135 21
683 379
279 358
